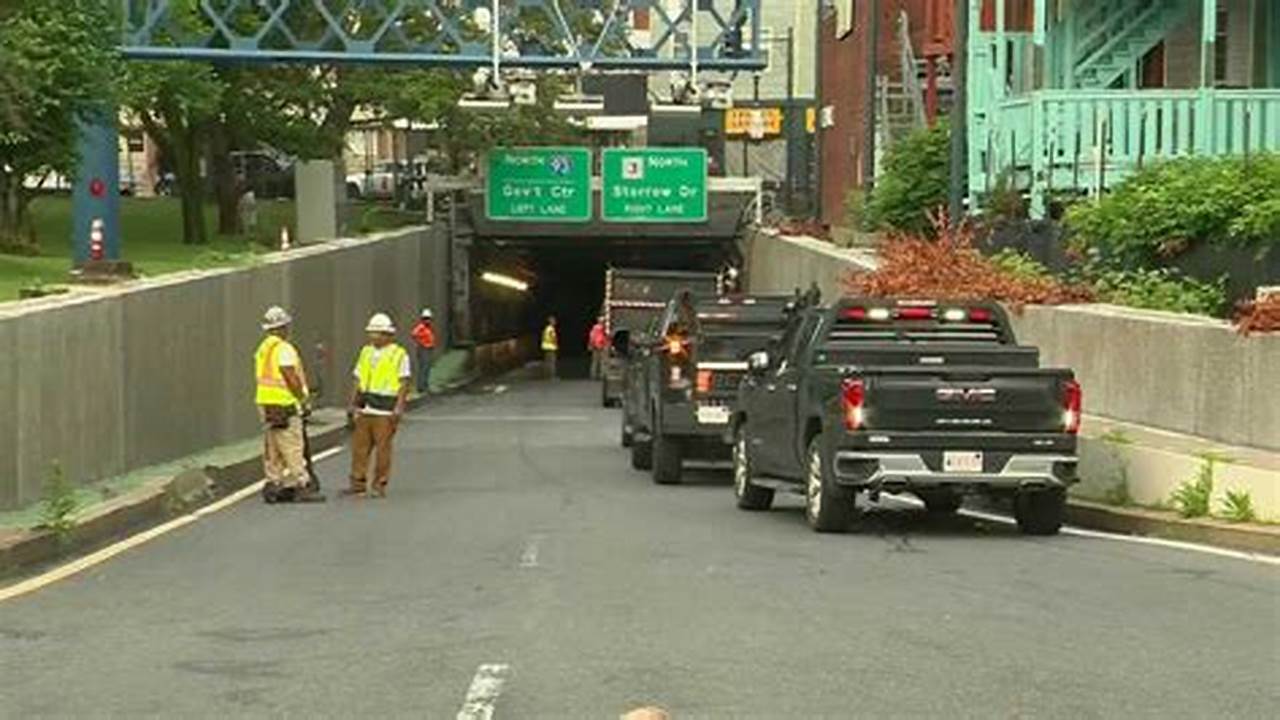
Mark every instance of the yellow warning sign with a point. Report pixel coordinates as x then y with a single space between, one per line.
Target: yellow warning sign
753 122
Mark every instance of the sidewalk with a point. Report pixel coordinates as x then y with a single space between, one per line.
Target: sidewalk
1129 473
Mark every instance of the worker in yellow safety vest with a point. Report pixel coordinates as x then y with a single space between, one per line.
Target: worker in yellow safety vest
282 400
550 347
382 379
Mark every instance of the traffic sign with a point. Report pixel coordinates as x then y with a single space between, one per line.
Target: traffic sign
539 184
654 185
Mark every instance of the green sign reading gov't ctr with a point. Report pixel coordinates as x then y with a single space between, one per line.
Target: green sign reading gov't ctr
539 184
654 185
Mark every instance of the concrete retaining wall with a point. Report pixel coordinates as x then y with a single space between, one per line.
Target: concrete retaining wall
107 381
1185 374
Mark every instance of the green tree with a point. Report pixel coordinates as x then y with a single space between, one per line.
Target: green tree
56 66
914 182
178 103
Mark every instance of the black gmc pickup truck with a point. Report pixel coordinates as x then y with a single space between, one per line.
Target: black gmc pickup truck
932 398
681 385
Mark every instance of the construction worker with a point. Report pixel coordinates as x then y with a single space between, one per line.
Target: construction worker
424 343
381 388
550 346
282 401
597 343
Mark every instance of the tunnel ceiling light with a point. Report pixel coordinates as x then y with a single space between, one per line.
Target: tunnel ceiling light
505 281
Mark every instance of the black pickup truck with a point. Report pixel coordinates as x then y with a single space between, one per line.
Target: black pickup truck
932 398
682 383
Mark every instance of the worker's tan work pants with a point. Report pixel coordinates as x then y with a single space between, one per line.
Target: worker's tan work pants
283 461
373 433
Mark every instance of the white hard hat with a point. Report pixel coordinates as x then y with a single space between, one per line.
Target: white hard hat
380 323
426 313
275 317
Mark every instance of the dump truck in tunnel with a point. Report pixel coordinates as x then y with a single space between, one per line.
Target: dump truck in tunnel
633 300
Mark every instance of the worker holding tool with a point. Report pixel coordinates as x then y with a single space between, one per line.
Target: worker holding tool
597 343
382 375
283 402
424 344
550 347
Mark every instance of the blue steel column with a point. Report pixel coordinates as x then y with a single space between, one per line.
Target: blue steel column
96 193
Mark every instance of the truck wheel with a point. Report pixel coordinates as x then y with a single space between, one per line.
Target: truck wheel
667 460
940 503
1040 512
750 496
641 454
827 507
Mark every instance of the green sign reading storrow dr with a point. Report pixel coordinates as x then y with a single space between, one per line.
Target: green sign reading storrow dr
539 184
655 185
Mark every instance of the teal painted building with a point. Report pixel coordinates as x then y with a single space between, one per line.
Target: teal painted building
1071 96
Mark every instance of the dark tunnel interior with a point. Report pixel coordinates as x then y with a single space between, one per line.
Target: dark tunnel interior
566 279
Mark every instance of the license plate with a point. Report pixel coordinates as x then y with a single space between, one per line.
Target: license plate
962 462
713 414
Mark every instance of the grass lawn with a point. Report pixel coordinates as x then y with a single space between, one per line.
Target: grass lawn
152 233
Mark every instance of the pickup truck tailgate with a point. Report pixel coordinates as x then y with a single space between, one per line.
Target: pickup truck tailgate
1001 399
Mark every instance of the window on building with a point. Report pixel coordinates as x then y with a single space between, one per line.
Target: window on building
1220 41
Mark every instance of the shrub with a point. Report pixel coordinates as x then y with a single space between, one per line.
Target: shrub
1161 290
1020 265
949 267
1258 316
1165 208
1238 506
1192 497
57 512
913 183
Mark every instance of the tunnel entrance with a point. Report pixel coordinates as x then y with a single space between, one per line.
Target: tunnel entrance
563 267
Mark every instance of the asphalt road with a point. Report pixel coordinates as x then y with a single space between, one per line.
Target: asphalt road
516 535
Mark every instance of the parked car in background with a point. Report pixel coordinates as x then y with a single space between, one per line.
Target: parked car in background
929 398
267 173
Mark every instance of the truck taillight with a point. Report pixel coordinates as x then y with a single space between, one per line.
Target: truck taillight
853 397
1072 406
915 313
703 381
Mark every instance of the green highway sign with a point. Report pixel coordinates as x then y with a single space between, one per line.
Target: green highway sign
654 185
539 184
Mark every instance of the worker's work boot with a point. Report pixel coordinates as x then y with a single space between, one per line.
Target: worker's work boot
308 495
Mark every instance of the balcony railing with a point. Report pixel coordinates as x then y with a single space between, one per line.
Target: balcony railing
1090 140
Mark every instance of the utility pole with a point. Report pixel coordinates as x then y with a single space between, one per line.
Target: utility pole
959 113
789 121
873 70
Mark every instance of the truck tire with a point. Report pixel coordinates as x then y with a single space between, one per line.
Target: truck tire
1040 512
940 502
827 507
750 496
641 454
667 459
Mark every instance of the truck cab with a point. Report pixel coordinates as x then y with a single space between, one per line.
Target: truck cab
931 398
682 392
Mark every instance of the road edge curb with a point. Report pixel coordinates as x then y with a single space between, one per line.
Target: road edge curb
1151 523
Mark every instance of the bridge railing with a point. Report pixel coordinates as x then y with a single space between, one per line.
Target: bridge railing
1090 140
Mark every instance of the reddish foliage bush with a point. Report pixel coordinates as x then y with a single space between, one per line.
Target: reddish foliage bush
1258 316
951 268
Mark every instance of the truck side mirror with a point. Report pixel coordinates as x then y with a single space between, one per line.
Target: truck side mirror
621 343
758 362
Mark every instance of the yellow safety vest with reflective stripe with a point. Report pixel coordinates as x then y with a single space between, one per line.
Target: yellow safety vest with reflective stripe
382 378
272 388
550 342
